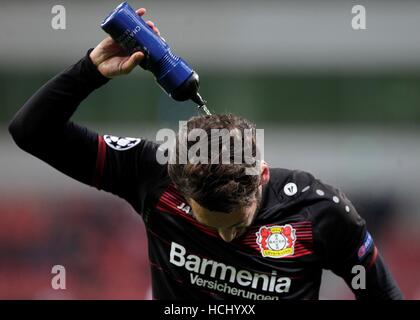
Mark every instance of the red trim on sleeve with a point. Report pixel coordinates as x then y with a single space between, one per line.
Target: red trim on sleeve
374 256
100 162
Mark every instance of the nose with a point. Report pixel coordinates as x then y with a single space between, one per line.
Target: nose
227 235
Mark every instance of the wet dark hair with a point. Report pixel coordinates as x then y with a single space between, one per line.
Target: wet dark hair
217 187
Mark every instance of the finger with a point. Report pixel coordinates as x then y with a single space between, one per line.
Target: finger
132 62
141 11
152 25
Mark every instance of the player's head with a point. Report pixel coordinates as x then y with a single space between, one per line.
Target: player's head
223 196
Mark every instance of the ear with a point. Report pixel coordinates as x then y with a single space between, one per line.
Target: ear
265 173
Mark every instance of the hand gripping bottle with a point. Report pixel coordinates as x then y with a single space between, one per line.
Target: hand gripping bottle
172 73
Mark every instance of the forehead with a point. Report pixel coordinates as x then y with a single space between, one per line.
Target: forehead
217 219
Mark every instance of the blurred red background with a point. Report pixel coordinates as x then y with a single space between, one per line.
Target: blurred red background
101 242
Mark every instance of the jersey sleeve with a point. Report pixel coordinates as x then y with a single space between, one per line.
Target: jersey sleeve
338 228
42 127
346 247
128 168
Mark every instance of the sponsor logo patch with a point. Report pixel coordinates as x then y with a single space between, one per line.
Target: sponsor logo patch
366 246
121 143
276 241
290 189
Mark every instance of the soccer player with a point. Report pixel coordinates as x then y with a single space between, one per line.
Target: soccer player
214 231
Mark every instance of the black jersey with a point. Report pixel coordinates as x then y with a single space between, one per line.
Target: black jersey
302 226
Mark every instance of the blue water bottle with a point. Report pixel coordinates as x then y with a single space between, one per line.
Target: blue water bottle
172 73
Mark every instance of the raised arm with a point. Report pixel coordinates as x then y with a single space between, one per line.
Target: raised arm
42 127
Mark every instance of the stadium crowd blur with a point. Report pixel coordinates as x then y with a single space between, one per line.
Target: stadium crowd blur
103 247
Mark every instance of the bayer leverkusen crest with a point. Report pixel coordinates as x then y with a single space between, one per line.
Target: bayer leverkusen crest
276 241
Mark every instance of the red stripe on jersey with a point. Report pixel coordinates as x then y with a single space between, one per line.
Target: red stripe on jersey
303 244
169 202
374 256
100 162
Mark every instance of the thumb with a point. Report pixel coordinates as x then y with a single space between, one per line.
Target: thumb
132 62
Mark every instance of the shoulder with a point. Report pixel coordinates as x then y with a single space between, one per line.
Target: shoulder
296 187
288 183
291 186
125 146
135 162
130 148
337 228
